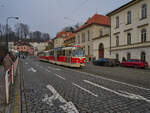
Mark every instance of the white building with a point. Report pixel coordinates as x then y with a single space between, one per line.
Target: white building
130 31
38 47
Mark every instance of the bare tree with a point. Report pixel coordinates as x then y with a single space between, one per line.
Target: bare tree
45 37
22 30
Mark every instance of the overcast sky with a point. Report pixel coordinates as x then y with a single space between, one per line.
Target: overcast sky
49 15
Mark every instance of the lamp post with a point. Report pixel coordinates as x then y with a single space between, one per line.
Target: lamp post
7 31
1 34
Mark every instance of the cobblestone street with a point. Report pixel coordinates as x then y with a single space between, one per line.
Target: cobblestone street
50 88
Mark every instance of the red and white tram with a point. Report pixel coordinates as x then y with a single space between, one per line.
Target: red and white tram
67 56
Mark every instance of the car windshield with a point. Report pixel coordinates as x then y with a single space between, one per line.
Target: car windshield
133 60
78 53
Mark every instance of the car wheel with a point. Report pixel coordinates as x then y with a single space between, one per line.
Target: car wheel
105 64
135 66
121 65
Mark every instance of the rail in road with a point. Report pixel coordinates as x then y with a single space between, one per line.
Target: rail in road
49 88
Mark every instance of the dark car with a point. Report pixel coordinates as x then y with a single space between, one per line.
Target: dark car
116 62
106 62
134 63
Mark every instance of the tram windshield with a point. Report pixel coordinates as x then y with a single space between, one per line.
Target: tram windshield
78 53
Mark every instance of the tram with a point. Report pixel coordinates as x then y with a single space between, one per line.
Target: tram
66 56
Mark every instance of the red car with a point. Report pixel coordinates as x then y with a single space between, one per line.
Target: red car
134 63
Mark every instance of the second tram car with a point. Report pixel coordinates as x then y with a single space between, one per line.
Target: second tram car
67 56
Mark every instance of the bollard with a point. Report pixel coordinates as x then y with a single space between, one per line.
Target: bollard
12 74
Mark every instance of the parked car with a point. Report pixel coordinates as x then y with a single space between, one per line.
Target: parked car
106 62
134 63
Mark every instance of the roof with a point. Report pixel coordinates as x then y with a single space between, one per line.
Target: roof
71 35
123 7
60 34
96 19
23 44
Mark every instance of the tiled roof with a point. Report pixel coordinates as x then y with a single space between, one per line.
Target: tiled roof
71 35
96 19
60 34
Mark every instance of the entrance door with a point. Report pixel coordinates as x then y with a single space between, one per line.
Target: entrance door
101 51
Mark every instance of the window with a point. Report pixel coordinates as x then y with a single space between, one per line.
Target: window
129 17
78 39
117 40
143 35
117 56
128 56
88 35
88 50
83 37
129 38
144 11
117 22
101 33
143 56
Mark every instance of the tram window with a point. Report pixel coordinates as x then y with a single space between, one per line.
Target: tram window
63 52
68 53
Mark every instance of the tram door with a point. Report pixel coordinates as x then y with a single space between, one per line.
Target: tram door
68 55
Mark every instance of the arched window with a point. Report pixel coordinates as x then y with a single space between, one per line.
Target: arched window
129 38
144 11
128 56
143 56
143 35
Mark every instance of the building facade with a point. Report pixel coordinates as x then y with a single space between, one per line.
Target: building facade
70 41
25 48
90 37
60 38
39 46
130 31
101 44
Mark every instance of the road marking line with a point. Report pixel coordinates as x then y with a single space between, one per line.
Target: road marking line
26 63
68 107
60 76
54 68
96 76
32 69
120 93
85 90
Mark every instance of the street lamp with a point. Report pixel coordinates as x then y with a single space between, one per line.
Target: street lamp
1 33
7 30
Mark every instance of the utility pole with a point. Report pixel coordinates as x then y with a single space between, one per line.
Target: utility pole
7 33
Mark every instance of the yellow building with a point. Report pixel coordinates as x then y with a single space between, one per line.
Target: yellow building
93 36
60 38
69 41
